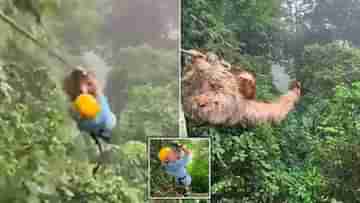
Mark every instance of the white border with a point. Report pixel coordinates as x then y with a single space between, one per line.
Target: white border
148 165
179 67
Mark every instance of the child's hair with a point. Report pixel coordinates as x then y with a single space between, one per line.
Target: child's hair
72 82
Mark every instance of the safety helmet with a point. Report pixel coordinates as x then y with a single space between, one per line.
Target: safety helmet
87 106
164 152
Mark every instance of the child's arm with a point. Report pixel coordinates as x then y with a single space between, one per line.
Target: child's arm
186 150
188 156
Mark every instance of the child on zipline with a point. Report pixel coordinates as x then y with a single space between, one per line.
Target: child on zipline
175 165
90 108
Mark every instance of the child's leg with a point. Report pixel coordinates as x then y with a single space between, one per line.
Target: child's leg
187 186
184 185
105 136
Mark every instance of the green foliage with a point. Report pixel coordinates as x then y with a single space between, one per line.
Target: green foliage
244 162
337 152
293 162
35 164
203 24
151 111
199 167
245 25
323 67
144 94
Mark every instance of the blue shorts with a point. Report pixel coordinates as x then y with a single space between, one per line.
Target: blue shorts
186 180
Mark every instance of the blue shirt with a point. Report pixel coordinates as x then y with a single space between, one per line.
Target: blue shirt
178 169
104 121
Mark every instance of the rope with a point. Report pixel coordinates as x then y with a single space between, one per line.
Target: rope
29 36
97 142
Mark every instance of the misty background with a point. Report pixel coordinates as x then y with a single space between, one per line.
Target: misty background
132 46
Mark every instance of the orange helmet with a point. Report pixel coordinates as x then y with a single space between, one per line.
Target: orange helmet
87 106
164 152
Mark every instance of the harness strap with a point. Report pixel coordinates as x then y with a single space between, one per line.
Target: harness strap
180 180
94 137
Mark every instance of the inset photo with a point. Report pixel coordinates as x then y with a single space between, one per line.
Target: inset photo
179 168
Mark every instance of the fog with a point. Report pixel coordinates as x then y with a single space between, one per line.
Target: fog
281 79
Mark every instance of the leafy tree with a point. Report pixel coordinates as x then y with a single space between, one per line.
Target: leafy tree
323 67
245 26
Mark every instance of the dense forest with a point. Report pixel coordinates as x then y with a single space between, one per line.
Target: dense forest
312 156
43 156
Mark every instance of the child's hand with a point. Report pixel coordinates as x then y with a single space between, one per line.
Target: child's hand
186 150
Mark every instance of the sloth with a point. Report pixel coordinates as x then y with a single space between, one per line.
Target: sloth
214 94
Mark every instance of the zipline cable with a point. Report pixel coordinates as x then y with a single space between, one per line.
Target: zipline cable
28 35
